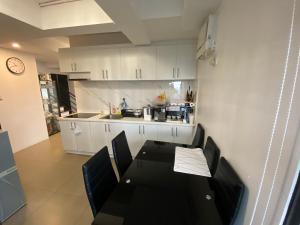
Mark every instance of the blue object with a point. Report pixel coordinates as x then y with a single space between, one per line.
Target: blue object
11 192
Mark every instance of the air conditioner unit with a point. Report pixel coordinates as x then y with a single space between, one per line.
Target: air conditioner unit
207 38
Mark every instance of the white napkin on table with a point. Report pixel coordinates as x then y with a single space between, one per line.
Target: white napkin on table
191 161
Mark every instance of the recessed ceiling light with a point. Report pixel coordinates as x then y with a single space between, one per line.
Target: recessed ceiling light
15 45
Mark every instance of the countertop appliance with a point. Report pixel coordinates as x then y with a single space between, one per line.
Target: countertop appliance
175 112
179 112
11 192
83 115
148 113
132 112
160 113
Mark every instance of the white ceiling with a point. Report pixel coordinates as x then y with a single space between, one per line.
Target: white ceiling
142 21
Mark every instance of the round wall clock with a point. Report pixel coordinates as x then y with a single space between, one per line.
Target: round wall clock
15 65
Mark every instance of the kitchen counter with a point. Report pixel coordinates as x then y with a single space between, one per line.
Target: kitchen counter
127 120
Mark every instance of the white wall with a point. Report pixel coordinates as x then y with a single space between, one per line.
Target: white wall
94 96
238 98
21 110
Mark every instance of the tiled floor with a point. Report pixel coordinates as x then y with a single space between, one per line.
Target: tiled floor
53 185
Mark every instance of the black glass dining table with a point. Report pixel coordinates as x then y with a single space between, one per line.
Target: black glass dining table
151 193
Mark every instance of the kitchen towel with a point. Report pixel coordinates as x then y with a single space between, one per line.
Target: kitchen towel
191 161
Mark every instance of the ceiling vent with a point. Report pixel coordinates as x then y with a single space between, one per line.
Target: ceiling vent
44 3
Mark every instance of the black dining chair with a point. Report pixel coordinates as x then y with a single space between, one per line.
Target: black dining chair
212 155
198 138
99 179
122 153
229 191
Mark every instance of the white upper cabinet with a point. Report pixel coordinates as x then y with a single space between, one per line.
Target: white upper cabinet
129 63
186 62
65 60
176 62
105 64
171 62
166 62
138 63
74 60
147 63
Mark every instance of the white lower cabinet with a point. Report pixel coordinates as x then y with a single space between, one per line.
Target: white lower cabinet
134 138
149 132
83 137
183 134
98 136
89 137
102 134
175 134
137 134
67 135
76 136
112 130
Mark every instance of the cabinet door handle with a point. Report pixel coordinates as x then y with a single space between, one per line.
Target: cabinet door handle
105 128
72 67
74 125
172 132
178 71
103 74
176 132
108 127
136 73
143 129
140 73
75 66
139 129
71 125
173 72
106 71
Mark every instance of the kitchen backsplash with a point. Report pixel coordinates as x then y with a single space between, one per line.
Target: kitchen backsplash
94 96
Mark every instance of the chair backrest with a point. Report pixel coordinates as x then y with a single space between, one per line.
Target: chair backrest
199 137
212 154
229 191
99 179
121 152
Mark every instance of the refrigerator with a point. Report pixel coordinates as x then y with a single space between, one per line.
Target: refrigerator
56 99
11 192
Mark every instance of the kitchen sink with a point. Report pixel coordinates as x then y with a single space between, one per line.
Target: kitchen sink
112 117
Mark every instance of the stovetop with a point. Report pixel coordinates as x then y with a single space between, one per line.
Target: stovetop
83 115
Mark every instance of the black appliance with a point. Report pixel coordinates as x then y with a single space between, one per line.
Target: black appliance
160 113
82 115
132 112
